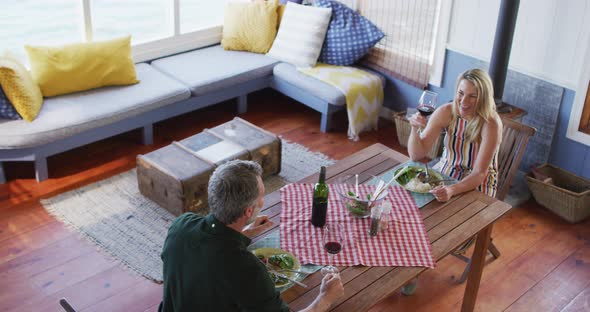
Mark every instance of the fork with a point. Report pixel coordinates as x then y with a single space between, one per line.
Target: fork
294 271
427 179
285 277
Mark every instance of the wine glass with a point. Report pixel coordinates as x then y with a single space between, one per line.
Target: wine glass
427 103
333 241
426 106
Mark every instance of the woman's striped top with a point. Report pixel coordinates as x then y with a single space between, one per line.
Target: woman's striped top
459 156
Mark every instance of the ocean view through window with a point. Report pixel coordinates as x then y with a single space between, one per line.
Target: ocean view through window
149 22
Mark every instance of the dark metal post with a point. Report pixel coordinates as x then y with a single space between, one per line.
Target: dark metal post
502 46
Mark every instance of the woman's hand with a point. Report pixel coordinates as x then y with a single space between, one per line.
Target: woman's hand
418 121
420 143
442 193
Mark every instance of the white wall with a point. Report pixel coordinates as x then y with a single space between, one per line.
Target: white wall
549 42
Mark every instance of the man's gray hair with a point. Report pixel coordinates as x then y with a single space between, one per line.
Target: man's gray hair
233 187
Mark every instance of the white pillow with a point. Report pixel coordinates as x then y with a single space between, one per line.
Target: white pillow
301 35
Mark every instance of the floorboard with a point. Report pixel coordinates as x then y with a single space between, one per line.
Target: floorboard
581 303
560 286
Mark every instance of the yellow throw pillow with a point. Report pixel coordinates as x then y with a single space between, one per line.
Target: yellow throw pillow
280 12
249 26
20 88
82 66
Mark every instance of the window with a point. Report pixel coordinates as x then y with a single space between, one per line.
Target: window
28 22
157 27
144 20
199 14
410 27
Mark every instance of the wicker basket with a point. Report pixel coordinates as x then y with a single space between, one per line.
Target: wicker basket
402 127
568 196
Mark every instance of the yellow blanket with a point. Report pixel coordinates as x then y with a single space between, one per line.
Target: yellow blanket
362 89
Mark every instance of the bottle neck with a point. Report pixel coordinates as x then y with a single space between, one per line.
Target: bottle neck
322 175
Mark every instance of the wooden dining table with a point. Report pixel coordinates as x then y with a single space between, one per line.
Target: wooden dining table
449 225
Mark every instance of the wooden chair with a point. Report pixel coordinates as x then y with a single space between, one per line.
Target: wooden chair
515 137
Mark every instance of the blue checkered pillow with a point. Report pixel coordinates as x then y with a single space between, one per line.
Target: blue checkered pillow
7 111
349 37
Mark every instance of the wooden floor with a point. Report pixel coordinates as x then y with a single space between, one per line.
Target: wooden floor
544 266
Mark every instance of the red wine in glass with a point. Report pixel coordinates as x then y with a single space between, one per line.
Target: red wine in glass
333 240
427 103
333 247
425 110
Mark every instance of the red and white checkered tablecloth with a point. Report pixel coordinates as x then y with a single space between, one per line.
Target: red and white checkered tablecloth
404 243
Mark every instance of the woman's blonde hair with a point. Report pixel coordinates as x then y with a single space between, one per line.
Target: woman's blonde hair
485 106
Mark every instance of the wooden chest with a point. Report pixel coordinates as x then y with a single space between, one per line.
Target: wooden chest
176 176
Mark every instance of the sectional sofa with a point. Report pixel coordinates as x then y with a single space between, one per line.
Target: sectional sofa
168 87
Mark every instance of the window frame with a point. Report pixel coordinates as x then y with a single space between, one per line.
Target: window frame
573 131
176 43
440 47
585 119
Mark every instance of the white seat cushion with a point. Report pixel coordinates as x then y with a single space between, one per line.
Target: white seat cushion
212 69
69 114
307 84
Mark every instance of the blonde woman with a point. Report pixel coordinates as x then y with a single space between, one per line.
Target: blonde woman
473 136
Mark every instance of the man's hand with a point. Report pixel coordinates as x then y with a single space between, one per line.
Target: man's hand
331 289
260 224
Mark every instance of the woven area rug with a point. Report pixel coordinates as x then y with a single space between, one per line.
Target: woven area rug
131 228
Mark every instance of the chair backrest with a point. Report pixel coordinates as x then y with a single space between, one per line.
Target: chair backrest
515 137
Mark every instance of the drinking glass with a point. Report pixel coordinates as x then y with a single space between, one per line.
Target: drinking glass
333 241
427 103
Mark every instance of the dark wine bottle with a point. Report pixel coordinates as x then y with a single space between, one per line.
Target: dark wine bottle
320 200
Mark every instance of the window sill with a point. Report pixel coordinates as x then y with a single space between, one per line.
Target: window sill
173 45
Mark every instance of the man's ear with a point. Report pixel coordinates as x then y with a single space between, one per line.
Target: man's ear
249 211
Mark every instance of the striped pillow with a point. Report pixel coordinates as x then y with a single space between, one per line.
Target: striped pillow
301 35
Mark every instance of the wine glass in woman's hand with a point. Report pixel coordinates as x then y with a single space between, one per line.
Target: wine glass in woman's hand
333 241
427 103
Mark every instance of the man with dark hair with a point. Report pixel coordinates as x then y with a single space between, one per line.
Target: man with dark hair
206 264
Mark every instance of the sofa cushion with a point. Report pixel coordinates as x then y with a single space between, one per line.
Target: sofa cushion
288 73
350 35
7 111
82 66
213 69
20 88
249 26
324 91
70 114
301 35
